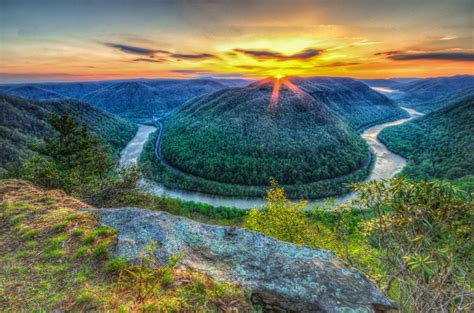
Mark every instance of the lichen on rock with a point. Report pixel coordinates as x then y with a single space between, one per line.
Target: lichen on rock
278 273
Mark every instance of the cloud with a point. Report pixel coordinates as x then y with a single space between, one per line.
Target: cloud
134 49
448 38
388 52
208 74
339 64
150 60
266 54
151 52
193 56
448 56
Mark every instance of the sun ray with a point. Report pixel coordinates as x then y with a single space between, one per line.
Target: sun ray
275 94
295 89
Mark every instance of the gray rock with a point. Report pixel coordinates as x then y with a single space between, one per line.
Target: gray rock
292 277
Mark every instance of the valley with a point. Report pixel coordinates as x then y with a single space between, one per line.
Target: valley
258 156
387 165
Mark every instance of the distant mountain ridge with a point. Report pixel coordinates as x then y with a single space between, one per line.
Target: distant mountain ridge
389 82
429 94
356 102
137 99
33 93
22 120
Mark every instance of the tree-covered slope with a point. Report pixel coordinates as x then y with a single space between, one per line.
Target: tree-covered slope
138 99
148 98
430 94
439 144
239 136
357 103
22 120
444 100
127 98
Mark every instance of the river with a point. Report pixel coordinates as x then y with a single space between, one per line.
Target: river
386 166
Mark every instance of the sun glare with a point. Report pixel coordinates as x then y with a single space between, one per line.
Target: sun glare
278 76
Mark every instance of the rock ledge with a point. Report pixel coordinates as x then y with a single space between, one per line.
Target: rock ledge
295 278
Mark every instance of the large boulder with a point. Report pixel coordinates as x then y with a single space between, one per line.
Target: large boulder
279 273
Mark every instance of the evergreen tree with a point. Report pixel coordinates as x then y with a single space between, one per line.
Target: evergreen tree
74 160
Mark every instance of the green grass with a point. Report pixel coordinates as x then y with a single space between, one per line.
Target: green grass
47 267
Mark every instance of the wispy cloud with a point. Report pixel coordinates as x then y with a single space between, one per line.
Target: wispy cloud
339 64
387 53
135 49
447 56
150 60
448 38
152 52
266 54
198 56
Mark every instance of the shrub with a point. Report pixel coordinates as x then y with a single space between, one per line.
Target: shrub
115 265
101 251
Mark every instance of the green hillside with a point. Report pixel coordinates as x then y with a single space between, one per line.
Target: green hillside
233 139
23 120
360 105
442 101
437 145
429 94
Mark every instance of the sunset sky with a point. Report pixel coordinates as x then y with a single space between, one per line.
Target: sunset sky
66 40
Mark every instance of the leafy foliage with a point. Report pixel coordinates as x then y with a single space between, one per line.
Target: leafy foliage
281 218
424 235
413 238
437 145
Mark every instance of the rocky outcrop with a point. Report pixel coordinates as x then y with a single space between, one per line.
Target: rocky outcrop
277 273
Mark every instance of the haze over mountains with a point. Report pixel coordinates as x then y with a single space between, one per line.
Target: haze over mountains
139 100
428 94
437 145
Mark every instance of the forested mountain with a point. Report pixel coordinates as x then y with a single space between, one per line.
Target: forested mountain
443 100
388 83
241 137
22 120
356 102
76 90
32 92
426 95
128 99
145 99
138 99
437 145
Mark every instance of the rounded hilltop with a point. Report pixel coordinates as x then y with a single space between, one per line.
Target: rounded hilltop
269 129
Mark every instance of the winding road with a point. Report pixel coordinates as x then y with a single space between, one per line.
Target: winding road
387 165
